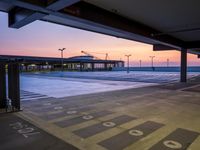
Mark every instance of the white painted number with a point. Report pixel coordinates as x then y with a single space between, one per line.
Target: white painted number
23 129
26 130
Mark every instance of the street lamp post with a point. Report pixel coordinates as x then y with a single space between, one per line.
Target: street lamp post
152 57
61 50
128 62
167 62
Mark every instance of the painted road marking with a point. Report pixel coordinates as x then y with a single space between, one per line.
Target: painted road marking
100 127
172 144
25 95
71 112
19 134
87 117
128 137
109 124
61 114
47 104
81 119
23 129
48 117
179 139
58 108
136 132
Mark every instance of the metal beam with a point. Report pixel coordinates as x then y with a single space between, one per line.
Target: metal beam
19 17
192 45
3 98
183 72
194 51
160 47
60 4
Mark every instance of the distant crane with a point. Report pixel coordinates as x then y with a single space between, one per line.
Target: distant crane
89 54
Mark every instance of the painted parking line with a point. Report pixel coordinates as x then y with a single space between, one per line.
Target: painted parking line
49 108
29 94
53 116
19 134
25 95
61 114
57 107
180 139
81 119
126 138
43 109
32 96
100 127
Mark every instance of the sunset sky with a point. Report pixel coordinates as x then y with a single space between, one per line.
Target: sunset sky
44 39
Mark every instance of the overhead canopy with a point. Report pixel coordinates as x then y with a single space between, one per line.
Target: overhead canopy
165 24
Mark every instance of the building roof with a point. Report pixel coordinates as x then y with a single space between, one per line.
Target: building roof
52 60
82 57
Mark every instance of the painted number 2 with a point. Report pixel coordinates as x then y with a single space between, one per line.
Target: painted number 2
23 129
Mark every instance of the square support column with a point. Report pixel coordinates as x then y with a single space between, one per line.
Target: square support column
13 85
3 98
183 65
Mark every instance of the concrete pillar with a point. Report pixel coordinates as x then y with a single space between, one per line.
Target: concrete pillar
183 65
81 67
3 99
106 66
14 85
71 67
92 64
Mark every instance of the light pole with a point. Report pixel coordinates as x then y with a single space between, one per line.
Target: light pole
61 50
167 62
152 57
128 62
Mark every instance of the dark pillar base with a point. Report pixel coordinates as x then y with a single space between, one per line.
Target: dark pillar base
183 65
13 86
3 99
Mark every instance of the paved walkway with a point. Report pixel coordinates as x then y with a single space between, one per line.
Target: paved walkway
19 134
161 117
40 87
